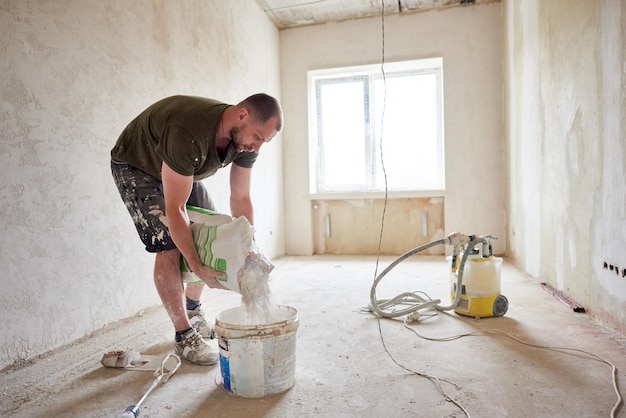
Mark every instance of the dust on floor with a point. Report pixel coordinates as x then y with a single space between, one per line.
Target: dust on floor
343 369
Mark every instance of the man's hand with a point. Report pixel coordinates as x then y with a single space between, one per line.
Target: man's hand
210 276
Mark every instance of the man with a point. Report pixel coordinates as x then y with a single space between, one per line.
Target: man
157 164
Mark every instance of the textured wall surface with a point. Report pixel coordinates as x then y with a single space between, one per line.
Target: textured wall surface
73 73
566 124
347 226
470 41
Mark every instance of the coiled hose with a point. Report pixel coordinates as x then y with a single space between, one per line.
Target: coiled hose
414 300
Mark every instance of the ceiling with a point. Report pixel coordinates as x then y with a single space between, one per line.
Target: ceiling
293 13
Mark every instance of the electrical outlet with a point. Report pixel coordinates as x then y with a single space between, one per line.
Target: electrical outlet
615 268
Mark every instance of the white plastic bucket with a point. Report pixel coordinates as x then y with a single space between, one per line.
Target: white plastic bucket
257 360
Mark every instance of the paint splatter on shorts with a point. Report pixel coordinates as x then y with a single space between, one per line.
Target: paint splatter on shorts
143 196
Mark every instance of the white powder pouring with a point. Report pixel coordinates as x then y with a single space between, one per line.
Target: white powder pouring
256 296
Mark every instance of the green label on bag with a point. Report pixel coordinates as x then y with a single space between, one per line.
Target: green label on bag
220 264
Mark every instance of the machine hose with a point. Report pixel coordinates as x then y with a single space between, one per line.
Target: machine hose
415 301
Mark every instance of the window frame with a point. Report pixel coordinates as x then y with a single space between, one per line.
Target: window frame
371 72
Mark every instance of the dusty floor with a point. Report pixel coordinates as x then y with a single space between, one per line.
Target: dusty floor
342 367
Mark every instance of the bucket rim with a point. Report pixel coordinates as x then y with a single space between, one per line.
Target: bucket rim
291 319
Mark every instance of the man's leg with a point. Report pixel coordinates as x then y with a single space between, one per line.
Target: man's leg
168 281
193 292
143 197
195 313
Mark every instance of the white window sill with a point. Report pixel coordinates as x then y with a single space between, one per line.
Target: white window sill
376 195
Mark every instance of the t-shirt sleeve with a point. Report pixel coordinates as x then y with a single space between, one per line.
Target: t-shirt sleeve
245 159
180 150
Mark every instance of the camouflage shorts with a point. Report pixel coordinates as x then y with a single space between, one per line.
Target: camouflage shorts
143 196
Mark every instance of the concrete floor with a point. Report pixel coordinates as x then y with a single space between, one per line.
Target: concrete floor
343 369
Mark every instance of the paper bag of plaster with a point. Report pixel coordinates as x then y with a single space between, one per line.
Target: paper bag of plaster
222 242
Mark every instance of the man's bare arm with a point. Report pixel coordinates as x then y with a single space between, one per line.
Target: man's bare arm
176 189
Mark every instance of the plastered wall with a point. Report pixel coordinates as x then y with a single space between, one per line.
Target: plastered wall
347 226
72 74
470 41
565 66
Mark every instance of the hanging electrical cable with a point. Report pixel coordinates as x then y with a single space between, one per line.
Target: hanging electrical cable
382 129
433 379
409 304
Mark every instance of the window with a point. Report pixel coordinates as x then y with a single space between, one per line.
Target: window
352 109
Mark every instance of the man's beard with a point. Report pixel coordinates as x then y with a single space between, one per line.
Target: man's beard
235 136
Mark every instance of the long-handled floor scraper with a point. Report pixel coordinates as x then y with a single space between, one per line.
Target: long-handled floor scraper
169 365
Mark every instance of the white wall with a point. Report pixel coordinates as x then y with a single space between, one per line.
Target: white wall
566 124
73 73
470 41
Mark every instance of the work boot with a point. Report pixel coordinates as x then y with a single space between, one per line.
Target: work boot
199 322
193 348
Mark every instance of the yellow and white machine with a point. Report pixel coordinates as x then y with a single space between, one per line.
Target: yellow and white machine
474 282
479 285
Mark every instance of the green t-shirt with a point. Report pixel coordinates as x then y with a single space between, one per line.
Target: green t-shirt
179 130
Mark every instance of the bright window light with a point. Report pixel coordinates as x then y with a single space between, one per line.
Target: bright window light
354 110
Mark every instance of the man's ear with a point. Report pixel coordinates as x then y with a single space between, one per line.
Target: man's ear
242 115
